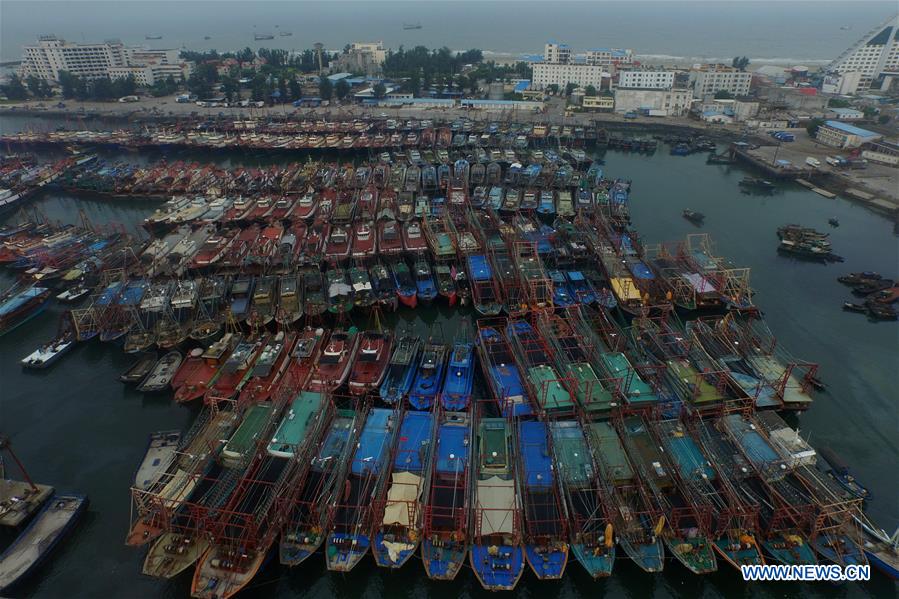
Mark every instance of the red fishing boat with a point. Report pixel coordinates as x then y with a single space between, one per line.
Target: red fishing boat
390 241
363 240
238 209
268 369
227 381
192 379
284 207
262 209
413 237
326 204
304 356
370 363
213 249
338 244
367 206
306 205
240 247
333 365
315 240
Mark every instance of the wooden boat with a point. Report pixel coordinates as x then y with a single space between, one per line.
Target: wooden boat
333 366
193 377
370 362
158 457
139 369
268 369
162 373
429 376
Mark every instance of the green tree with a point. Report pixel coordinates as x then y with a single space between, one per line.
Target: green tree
282 89
14 90
341 89
883 119
295 92
813 125
552 88
199 86
838 103
325 88
230 89
870 112
740 62
589 91
38 87
413 85
68 82
570 87
380 90
245 55
723 94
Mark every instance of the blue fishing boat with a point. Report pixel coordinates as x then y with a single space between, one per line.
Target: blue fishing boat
446 533
241 296
398 511
35 543
581 288
401 369
302 534
637 524
424 281
428 376
484 290
349 537
563 296
840 546
495 198
18 306
497 555
546 207
502 373
545 534
590 530
456 394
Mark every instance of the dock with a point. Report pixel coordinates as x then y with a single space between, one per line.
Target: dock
822 192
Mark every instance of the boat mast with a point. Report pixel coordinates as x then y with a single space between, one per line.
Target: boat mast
6 444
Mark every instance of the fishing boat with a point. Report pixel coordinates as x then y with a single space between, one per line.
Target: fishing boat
413 239
139 369
263 307
162 373
303 533
636 523
158 457
240 447
18 306
351 512
197 371
48 353
424 281
497 552
446 534
236 369
370 362
290 301
401 369
428 376
383 286
501 372
545 531
446 283
314 298
398 515
340 291
268 369
484 288
34 544
549 390
697 218
390 238
363 294
241 296
406 289
590 531
456 393
333 366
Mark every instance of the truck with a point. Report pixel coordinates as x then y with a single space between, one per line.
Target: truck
630 115
185 98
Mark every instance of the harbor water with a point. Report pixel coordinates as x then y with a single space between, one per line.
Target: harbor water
77 427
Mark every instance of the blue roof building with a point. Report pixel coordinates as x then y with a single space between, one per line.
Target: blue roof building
844 135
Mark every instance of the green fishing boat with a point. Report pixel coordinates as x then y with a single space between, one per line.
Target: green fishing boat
240 447
636 391
294 427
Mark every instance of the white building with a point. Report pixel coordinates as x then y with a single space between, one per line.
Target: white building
675 102
707 80
844 135
610 57
873 55
645 79
546 74
842 84
556 53
51 55
363 57
108 59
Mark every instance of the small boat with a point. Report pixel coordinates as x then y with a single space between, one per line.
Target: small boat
363 294
833 222
424 281
349 535
545 540
333 366
158 457
47 354
456 393
399 510
406 290
383 286
401 369
429 376
73 294
18 306
370 363
694 217
446 283
162 373
503 376
446 533
227 380
35 543
139 369
831 463
755 183
269 367
193 377
497 555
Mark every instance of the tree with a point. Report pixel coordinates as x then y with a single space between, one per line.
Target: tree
723 94
295 92
199 86
38 87
230 89
813 125
68 83
245 55
883 119
838 103
380 90
325 88
740 62
570 87
589 91
282 89
870 112
14 90
553 88
341 89
413 85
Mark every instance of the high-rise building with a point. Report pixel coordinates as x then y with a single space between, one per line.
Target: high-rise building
554 53
707 80
645 79
875 56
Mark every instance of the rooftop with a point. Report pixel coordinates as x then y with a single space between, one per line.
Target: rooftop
851 129
846 111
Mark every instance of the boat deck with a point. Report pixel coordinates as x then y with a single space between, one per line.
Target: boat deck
607 447
18 500
292 431
247 433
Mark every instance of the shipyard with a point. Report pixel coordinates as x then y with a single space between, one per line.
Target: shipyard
500 345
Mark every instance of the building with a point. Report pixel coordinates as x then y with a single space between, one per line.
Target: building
599 103
556 53
844 135
363 57
882 152
609 57
842 84
500 105
875 56
674 102
51 55
645 79
707 80
112 59
546 74
845 114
